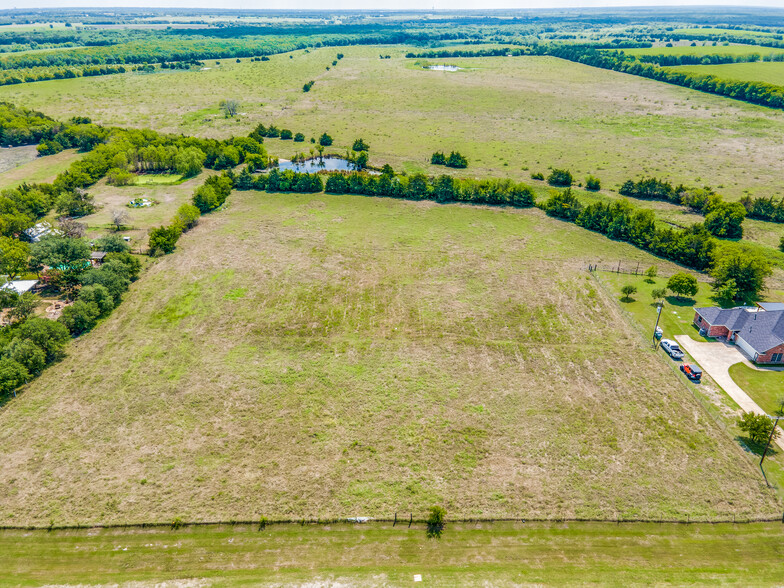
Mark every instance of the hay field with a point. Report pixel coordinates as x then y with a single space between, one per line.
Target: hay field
332 356
509 115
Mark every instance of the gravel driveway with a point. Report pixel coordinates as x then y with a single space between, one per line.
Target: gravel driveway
716 359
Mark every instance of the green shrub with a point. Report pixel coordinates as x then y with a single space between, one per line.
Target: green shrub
436 522
593 184
560 177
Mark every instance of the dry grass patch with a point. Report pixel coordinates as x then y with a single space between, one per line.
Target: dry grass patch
332 356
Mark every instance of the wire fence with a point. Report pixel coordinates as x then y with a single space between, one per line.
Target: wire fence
404 520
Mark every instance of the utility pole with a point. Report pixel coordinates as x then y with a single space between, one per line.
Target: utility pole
658 316
770 438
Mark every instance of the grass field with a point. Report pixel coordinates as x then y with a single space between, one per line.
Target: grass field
509 116
770 72
320 356
22 164
765 387
169 197
698 32
705 50
376 554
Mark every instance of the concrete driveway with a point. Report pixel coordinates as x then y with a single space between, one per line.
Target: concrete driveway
716 359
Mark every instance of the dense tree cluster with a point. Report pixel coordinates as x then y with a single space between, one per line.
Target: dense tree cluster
454 160
764 208
21 126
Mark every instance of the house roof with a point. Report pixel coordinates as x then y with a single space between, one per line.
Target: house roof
97 254
762 330
732 318
20 286
771 305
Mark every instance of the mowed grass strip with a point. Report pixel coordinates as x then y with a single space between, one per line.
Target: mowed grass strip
329 356
377 554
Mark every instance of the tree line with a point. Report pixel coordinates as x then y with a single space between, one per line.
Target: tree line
722 219
739 272
749 91
670 59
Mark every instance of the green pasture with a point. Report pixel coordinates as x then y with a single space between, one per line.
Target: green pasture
378 554
705 50
30 168
699 32
508 115
770 72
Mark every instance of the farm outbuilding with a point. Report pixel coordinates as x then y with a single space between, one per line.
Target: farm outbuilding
21 286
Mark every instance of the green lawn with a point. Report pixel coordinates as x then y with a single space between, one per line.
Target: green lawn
376 554
766 388
677 315
158 179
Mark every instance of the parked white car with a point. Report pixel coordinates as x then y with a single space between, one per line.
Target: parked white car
671 347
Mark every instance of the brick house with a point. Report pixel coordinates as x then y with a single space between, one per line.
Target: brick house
758 331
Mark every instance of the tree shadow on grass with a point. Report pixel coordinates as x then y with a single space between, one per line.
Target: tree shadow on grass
756 448
679 301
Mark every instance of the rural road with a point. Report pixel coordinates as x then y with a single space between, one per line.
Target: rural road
716 359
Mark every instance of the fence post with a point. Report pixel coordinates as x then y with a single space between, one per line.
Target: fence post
411 520
395 523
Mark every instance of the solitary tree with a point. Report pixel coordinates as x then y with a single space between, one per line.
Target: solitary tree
325 140
230 107
658 293
360 145
119 218
627 291
650 273
682 284
758 427
70 227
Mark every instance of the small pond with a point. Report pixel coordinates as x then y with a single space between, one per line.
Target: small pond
443 67
317 165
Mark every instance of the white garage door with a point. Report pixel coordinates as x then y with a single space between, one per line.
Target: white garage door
745 347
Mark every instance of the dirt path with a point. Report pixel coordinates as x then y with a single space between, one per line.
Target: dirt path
716 359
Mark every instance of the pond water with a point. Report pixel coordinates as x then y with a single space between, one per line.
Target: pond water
317 165
443 67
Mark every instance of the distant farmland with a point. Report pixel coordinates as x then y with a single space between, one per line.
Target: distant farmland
510 116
